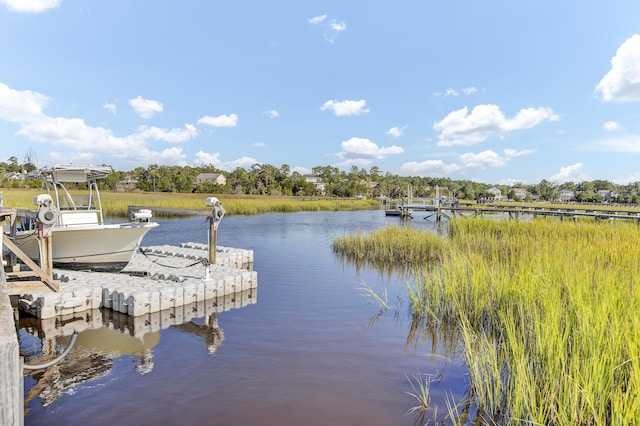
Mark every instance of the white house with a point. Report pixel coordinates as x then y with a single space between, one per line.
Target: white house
566 195
316 182
215 178
495 194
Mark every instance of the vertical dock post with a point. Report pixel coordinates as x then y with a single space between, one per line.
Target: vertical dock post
214 220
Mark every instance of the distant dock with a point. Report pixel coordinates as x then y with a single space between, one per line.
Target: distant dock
457 209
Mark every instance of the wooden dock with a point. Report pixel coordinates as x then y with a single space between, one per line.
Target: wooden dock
514 211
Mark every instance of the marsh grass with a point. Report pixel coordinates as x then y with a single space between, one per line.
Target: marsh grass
116 204
420 388
392 245
548 312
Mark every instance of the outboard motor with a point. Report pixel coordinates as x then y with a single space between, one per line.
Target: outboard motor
142 216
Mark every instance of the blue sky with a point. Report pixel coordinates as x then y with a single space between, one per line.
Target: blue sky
490 91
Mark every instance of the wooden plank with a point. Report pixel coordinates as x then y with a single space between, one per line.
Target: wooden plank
19 274
18 288
48 280
11 371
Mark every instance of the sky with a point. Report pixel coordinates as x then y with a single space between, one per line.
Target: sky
500 92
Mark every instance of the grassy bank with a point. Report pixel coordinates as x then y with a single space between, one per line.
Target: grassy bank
548 312
116 203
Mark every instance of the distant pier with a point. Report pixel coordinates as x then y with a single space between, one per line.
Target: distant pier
459 209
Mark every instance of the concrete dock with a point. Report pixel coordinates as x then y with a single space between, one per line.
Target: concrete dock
157 278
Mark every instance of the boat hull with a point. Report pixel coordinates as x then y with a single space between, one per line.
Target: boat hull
104 248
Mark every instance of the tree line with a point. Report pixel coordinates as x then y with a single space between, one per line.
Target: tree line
265 179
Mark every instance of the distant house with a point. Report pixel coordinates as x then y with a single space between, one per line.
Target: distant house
316 182
608 195
214 178
521 193
566 195
494 194
127 184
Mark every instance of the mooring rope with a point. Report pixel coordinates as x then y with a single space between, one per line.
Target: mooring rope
203 261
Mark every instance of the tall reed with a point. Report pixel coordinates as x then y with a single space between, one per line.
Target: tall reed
549 314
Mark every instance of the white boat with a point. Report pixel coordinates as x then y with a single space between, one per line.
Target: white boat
80 239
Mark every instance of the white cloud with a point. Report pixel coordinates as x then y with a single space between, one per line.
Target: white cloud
396 132
430 168
172 135
145 108
364 149
21 106
317 19
206 159
71 132
272 113
30 6
220 121
301 170
110 107
611 126
331 28
628 144
244 162
453 92
83 142
348 107
484 121
58 157
337 26
259 144
626 180
571 173
170 156
622 82
490 158
512 153
483 159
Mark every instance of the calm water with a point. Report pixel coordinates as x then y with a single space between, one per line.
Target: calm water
306 351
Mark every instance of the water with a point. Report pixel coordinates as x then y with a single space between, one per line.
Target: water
308 352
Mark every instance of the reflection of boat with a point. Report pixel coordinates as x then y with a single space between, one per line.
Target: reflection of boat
80 237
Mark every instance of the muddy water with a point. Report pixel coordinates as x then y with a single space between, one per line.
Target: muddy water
306 349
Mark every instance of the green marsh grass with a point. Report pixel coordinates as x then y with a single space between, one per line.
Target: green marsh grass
117 203
548 312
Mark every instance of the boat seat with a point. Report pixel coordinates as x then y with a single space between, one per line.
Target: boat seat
78 218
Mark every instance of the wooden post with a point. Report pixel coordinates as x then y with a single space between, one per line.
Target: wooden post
46 257
11 393
213 236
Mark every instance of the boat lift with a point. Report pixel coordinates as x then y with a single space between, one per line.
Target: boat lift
45 216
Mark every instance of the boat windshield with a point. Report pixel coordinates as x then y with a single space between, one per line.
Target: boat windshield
74 201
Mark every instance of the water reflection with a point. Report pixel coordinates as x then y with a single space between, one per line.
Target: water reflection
303 355
105 335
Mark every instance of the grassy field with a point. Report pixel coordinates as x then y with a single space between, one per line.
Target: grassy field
117 203
548 312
